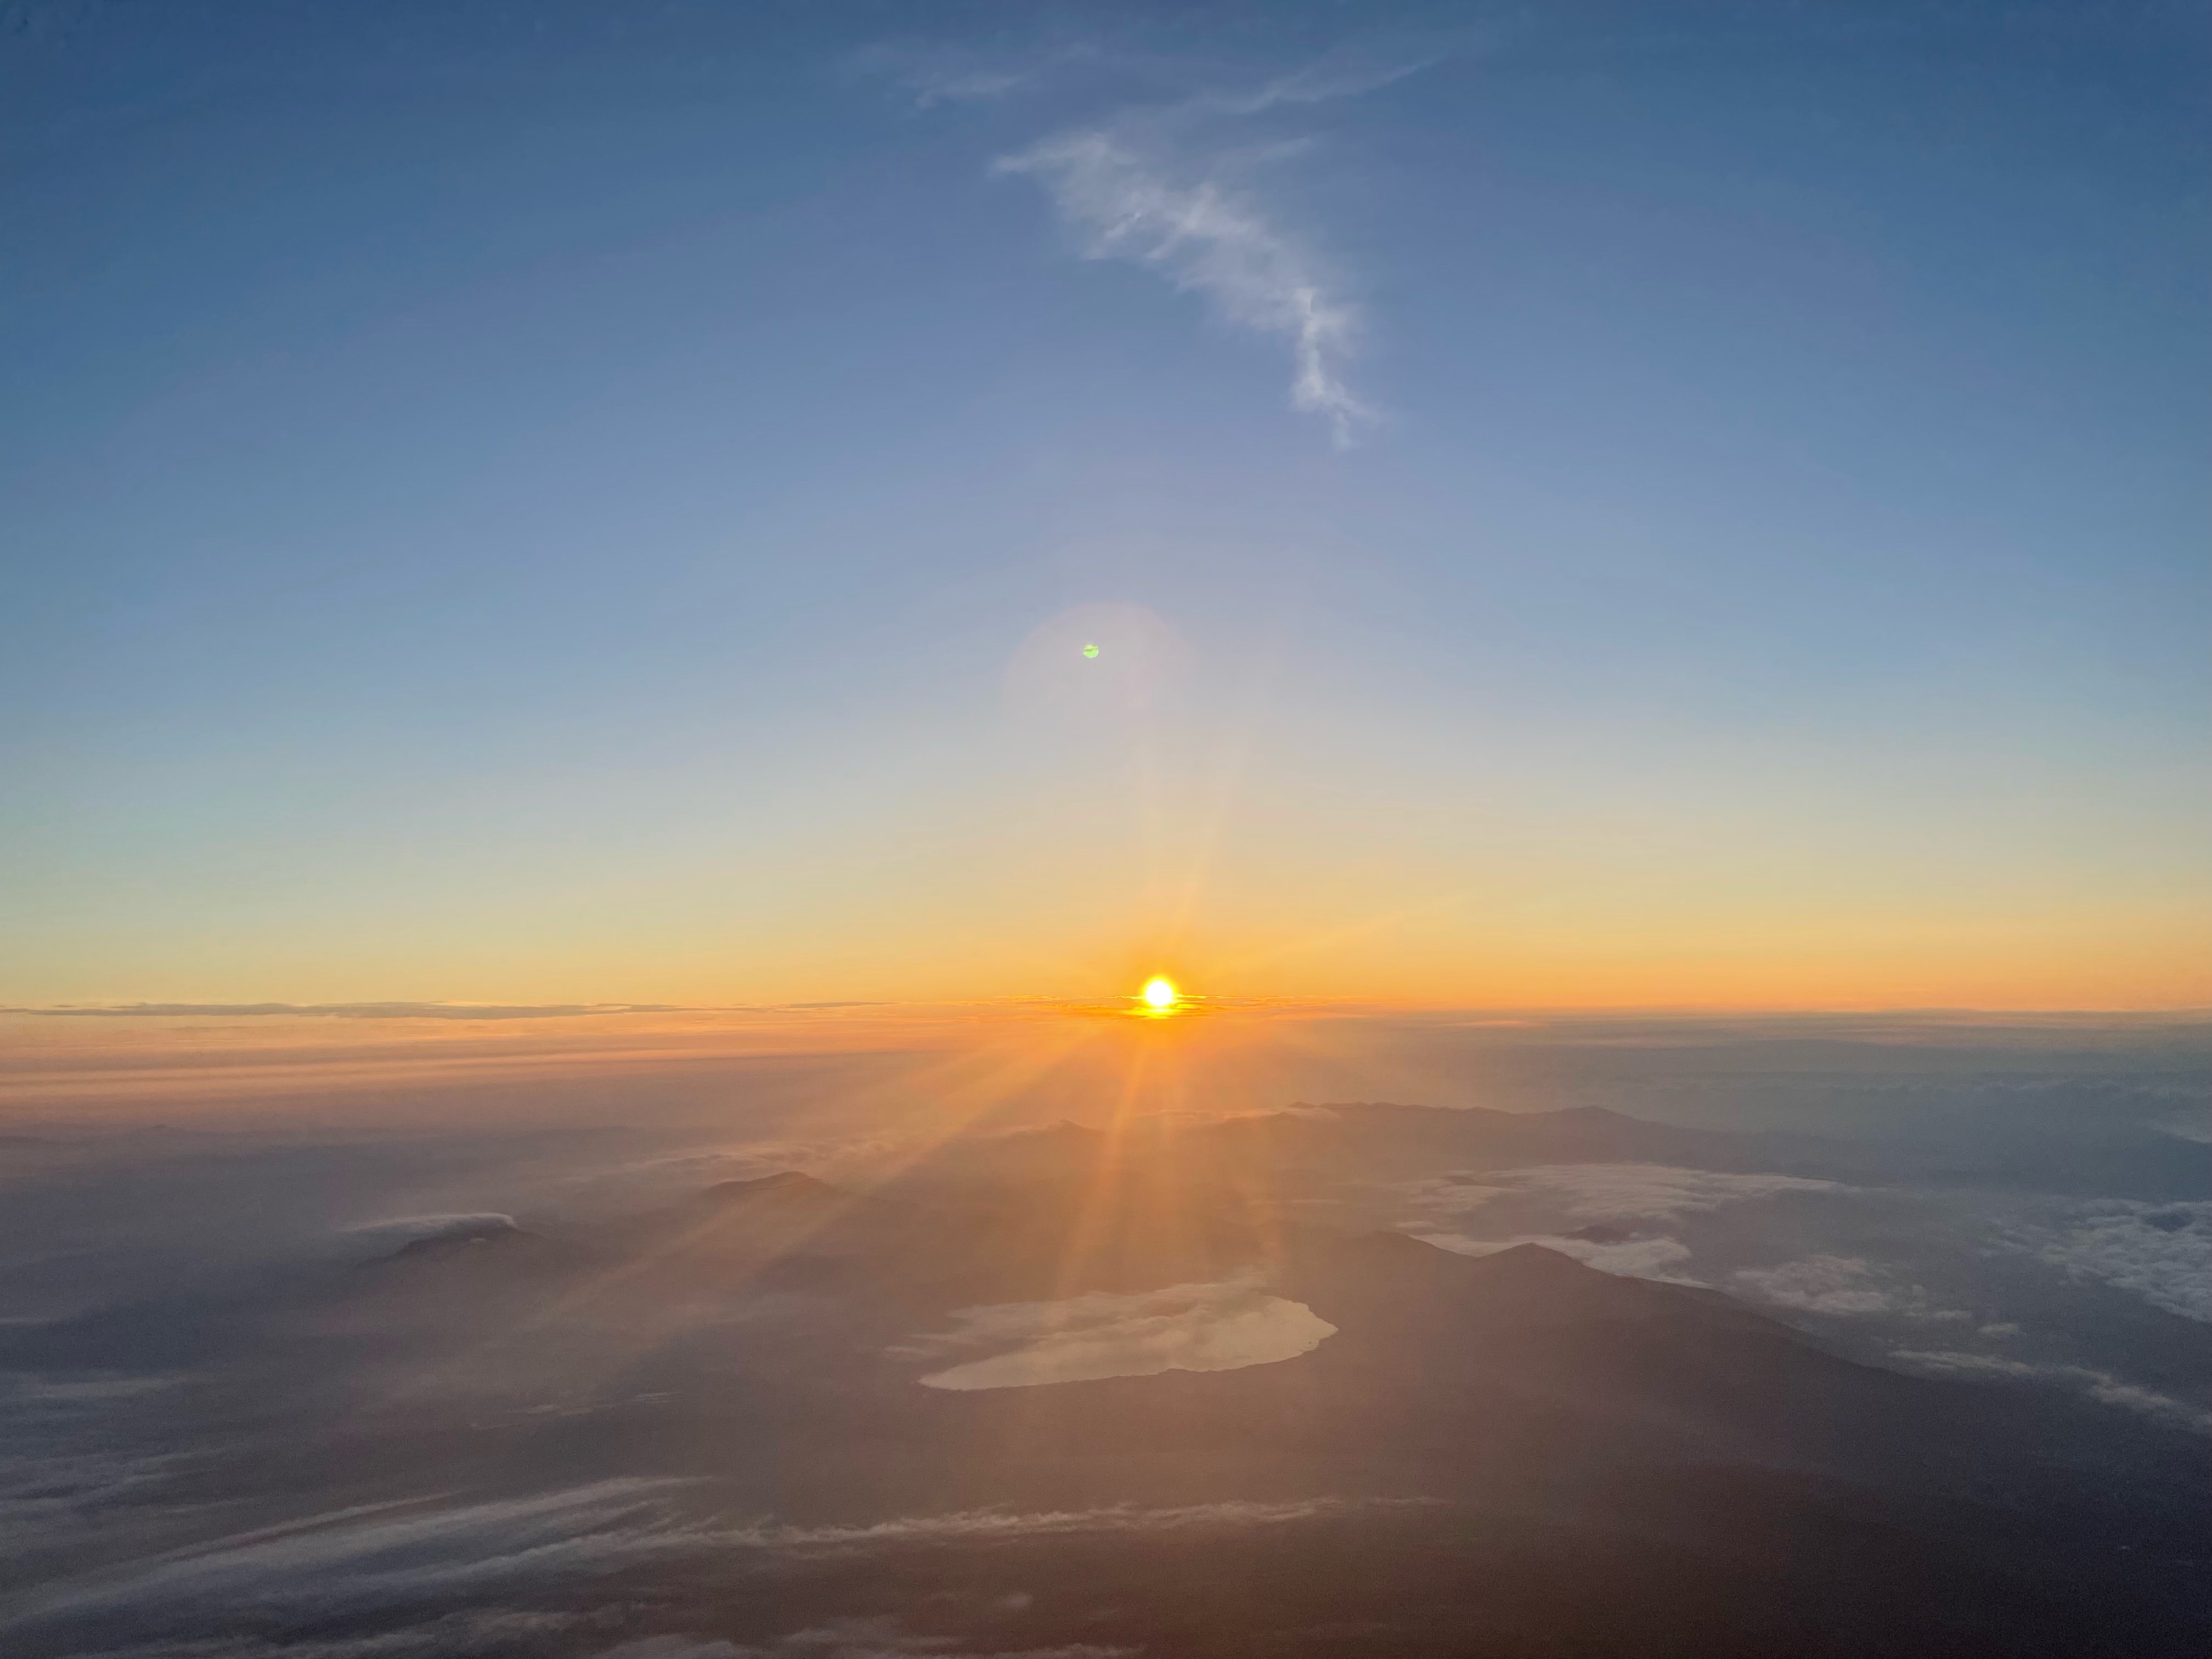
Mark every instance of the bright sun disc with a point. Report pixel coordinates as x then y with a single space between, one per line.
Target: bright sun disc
1160 994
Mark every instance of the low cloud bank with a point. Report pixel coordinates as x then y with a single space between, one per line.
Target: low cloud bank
2159 1252
1846 1285
1183 1328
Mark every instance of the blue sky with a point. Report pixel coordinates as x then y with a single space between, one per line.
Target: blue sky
502 501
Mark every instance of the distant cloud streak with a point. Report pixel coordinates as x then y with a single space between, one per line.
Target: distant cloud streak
2099 1385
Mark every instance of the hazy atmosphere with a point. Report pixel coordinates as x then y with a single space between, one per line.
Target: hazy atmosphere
1249 831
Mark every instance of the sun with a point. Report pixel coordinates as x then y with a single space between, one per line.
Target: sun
1160 994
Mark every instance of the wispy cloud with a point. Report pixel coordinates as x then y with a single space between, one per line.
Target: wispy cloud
944 73
414 1566
1168 187
1346 71
1204 237
2099 1385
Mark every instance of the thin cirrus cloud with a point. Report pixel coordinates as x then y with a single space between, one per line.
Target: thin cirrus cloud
1154 188
1203 238
446 1571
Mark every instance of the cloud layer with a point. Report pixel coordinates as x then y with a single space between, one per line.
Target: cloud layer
1183 1328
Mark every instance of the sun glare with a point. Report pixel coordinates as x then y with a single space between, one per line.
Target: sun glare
1160 994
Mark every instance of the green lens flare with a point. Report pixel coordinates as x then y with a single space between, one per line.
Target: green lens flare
1090 650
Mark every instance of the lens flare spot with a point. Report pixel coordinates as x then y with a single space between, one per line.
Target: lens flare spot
1090 650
